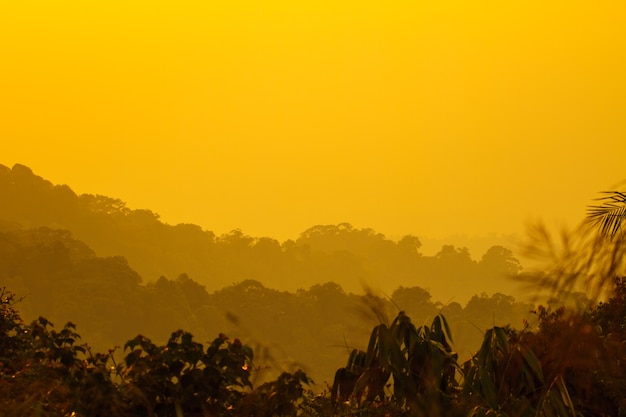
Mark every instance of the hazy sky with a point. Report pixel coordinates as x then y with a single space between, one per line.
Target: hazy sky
427 117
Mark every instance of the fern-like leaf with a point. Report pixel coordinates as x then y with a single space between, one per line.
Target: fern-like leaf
610 215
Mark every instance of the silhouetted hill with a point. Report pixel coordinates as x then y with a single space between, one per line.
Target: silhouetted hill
338 253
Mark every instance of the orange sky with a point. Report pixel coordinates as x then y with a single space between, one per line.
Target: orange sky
433 118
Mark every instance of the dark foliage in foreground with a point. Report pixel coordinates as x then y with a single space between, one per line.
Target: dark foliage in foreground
48 373
565 366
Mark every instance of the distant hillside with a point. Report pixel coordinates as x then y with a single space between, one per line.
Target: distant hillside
63 280
338 253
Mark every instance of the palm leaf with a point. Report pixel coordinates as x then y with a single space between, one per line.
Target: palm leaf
610 215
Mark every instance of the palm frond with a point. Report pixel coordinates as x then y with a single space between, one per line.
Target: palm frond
610 215
583 259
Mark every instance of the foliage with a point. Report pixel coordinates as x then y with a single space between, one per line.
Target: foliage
46 373
505 378
587 258
568 365
282 397
63 251
609 324
609 216
181 378
417 364
65 280
564 367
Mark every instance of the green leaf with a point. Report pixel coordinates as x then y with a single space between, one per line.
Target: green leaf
446 328
532 362
371 347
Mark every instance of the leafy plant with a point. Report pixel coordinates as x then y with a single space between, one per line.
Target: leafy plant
282 397
45 372
181 378
418 367
505 378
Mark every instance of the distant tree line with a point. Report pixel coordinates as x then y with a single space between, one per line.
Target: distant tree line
325 253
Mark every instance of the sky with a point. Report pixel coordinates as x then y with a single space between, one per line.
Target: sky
433 118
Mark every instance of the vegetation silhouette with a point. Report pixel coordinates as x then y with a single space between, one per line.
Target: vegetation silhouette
47 255
64 280
323 253
609 216
300 335
405 371
584 260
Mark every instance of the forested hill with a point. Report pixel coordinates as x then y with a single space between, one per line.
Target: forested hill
338 253
118 272
63 280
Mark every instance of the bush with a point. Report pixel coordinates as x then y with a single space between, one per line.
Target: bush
45 372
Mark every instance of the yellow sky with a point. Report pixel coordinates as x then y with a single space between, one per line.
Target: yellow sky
432 118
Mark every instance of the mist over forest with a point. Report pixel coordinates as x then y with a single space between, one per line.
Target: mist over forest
118 272
312 209
338 253
131 282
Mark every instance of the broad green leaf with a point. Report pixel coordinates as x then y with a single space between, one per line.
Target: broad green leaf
372 346
533 363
